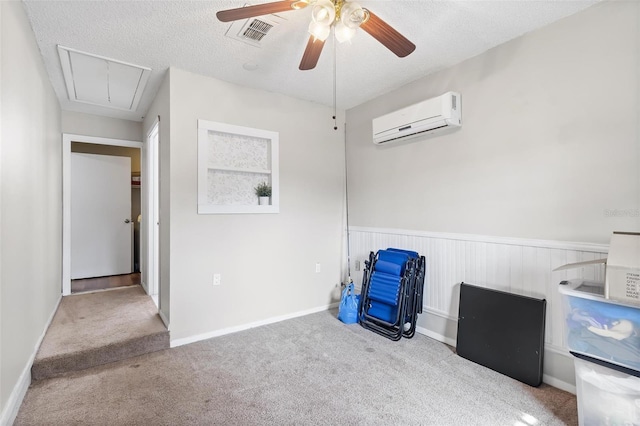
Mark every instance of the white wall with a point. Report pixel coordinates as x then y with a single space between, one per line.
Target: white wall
549 141
95 125
550 146
5 413
159 108
267 261
31 205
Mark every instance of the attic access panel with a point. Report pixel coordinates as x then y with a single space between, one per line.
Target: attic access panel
96 80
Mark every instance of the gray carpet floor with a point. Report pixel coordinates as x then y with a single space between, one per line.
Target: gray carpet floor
312 370
98 328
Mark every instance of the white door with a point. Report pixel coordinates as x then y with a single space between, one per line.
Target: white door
101 225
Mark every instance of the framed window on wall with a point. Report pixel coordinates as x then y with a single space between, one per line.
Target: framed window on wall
232 162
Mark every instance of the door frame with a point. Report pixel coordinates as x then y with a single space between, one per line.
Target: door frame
150 261
67 138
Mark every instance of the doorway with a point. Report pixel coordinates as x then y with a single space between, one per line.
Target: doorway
105 212
67 186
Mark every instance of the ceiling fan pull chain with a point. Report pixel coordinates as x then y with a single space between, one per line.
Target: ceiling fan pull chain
335 121
108 83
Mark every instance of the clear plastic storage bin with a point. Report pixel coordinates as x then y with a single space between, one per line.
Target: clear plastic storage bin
606 396
598 327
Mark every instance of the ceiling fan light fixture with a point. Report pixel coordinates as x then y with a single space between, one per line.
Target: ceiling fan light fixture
344 33
352 15
344 15
319 31
300 4
323 12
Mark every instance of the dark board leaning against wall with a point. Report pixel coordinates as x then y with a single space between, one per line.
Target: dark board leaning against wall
502 331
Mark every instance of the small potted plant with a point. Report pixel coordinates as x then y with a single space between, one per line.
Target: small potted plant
263 191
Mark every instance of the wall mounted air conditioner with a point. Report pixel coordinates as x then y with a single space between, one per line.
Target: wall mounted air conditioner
427 118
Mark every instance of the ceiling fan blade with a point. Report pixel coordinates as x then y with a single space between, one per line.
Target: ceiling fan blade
259 10
311 54
385 34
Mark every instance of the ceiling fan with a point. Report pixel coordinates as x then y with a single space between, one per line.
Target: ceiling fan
344 16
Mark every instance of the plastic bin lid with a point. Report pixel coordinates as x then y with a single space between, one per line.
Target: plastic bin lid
591 290
617 367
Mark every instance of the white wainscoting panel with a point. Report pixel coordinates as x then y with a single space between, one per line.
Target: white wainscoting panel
518 266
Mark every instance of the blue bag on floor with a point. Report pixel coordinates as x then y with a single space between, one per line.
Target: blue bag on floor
348 311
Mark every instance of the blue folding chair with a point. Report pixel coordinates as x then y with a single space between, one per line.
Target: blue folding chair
391 295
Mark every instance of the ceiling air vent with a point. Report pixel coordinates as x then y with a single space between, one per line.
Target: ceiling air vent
254 31
96 80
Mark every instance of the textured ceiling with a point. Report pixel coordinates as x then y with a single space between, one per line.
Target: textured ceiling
187 35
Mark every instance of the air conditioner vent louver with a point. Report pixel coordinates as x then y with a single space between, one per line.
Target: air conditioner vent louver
256 30
416 134
454 103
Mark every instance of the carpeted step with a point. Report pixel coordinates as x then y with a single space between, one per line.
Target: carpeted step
57 365
94 329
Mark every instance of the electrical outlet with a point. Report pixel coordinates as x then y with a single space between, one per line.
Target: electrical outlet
357 265
216 279
317 268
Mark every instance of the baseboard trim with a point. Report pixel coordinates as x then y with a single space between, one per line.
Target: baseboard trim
164 319
440 314
204 336
553 381
557 349
556 383
437 336
20 389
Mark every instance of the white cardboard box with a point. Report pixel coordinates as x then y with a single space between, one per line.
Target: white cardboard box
622 278
622 273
